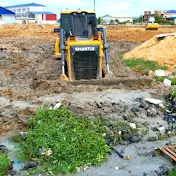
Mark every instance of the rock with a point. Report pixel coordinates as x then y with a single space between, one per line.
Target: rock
110 133
147 72
143 116
162 130
152 112
2 149
30 164
116 168
12 173
133 125
99 104
135 110
57 106
159 73
135 139
167 82
153 101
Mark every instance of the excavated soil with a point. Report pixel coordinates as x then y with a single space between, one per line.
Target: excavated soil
135 34
124 33
151 50
28 68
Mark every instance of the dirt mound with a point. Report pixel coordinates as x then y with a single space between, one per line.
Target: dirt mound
31 29
161 50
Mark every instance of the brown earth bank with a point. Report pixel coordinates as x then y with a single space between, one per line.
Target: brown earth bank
124 33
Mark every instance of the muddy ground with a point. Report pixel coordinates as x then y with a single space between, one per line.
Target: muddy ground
114 105
28 69
29 78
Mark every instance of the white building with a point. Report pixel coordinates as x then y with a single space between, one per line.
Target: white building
33 13
108 18
6 16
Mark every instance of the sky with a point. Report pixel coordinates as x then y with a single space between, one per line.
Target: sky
114 8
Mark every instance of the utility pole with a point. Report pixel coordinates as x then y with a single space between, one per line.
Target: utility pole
94 5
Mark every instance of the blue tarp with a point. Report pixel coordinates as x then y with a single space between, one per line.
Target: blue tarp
25 5
4 11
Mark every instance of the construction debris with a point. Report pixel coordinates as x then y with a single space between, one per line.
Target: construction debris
159 73
170 151
167 82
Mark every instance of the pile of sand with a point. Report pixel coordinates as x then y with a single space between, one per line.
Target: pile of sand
161 50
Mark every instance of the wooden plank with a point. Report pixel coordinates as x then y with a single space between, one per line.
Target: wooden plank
165 35
168 154
173 148
170 151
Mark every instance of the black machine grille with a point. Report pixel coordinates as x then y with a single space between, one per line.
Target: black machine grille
85 65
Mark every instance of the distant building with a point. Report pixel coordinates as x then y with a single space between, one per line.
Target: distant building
6 16
169 15
33 13
148 15
107 18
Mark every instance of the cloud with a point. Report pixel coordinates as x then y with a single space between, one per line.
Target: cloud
114 9
66 3
103 7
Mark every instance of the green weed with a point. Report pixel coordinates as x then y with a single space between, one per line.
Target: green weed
161 79
141 64
4 164
172 173
75 142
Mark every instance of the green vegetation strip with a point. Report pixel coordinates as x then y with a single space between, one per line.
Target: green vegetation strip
141 64
4 164
74 141
161 79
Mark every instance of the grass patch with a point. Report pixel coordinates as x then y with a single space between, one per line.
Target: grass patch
161 79
141 64
4 164
74 142
172 93
172 173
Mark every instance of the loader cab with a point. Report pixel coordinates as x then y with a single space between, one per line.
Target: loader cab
79 23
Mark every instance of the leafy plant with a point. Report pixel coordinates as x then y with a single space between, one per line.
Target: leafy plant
140 19
4 164
74 141
99 20
172 173
159 18
173 93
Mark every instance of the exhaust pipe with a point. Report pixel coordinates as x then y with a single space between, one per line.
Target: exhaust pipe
106 49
